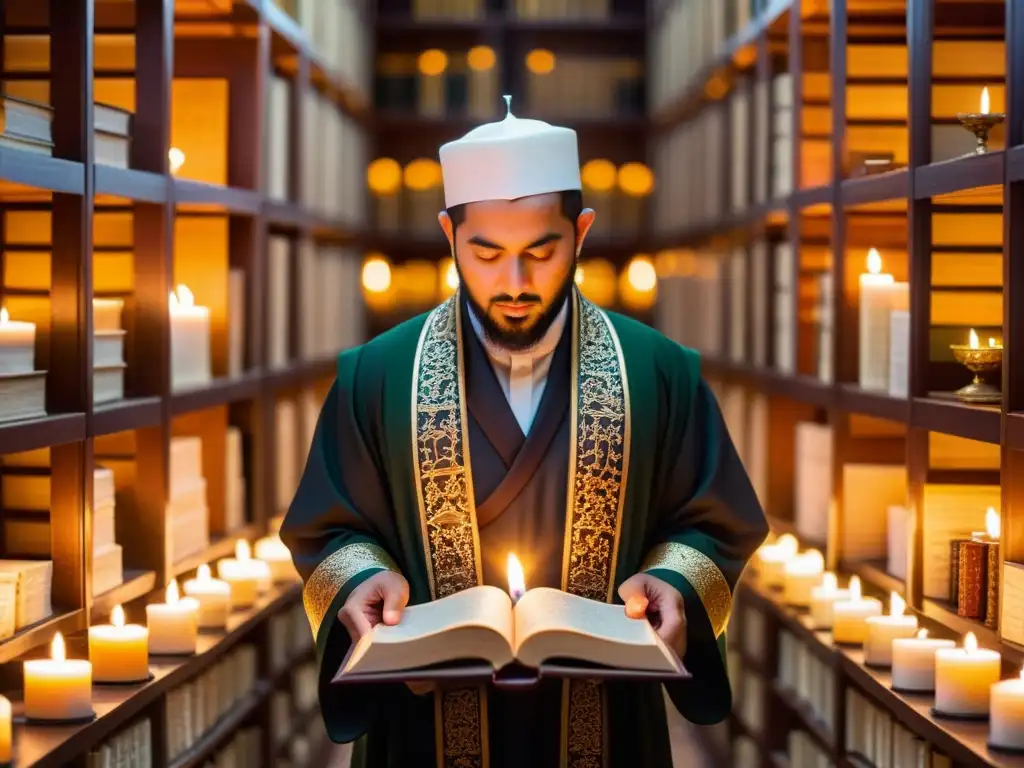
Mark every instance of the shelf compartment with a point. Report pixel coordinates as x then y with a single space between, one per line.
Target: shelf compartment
959 174
891 185
30 169
941 612
220 546
136 584
942 412
201 751
220 391
873 572
27 435
124 415
853 399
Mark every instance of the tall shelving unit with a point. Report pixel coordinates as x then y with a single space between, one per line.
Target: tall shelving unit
240 42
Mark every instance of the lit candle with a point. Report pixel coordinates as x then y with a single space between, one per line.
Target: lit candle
880 294
58 688
246 576
119 653
190 339
6 731
516 579
771 559
17 345
106 314
850 616
985 106
883 630
913 662
1006 724
823 597
989 541
272 551
174 624
213 596
801 574
963 677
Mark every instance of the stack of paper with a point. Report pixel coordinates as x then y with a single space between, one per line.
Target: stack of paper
107 555
31 580
234 481
107 351
188 515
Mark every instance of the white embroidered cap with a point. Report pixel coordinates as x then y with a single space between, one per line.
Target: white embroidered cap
509 159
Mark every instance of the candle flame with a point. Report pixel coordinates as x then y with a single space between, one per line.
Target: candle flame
897 605
185 296
203 573
176 159
972 339
985 105
516 579
855 593
830 583
172 595
5 317
242 551
58 651
117 616
992 341
993 524
874 261
970 643
787 545
922 634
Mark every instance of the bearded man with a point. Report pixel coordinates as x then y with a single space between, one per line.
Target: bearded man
517 416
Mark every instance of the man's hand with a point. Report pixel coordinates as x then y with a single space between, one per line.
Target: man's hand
378 600
649 597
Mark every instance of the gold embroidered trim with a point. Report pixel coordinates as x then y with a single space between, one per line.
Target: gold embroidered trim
598 470
704 576
334 572
451 540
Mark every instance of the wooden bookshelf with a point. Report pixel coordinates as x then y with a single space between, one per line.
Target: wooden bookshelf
172 43
838 79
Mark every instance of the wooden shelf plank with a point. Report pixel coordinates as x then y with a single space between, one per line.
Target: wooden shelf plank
873 572
958 175
891 185
853 399
222 546
27 435
124 415
40 633
197 195
941 412
130 184
220 391
30 169
136 584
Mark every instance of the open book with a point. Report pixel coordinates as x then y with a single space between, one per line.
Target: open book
482 625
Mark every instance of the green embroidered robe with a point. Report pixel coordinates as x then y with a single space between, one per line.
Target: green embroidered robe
652 482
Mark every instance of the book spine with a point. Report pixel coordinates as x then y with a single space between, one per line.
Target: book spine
971 597
991 584
954 572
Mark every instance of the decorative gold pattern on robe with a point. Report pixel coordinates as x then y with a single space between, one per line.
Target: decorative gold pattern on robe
598 470
451 539
599 459
334 572
704 576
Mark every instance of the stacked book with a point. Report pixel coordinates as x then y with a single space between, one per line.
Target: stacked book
112 128
234 481
131 746
107 351
25 594
188 515
26 125
107 554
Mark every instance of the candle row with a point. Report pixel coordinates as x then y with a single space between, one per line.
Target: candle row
59 689
966 681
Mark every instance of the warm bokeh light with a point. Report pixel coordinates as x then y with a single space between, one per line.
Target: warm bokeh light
636 179
599 175
578 277
641 274
432 62
376 275
540 61
384 176
176 159
422 174
481 58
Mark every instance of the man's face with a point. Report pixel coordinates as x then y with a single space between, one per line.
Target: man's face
516 261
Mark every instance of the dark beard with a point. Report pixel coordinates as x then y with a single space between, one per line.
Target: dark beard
513 339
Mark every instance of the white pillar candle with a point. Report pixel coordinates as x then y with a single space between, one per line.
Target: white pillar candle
272 551
174 624
247 577
6 731
963 677
771 559
801 574
58 688
883 630
879 296
1006 723
913 662
17 345
213 596
850 616
823 597
106 314
190 340
119 653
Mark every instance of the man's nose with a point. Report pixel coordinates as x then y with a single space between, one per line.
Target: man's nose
517 279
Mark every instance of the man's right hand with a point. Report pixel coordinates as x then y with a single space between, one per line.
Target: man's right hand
379 599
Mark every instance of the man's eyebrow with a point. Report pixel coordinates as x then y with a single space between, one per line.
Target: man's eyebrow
481 242
550 237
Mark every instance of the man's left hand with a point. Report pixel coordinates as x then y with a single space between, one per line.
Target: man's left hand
649 597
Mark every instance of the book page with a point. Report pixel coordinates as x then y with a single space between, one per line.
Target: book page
483 606
550 610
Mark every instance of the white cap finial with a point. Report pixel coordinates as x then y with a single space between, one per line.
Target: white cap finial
508 105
